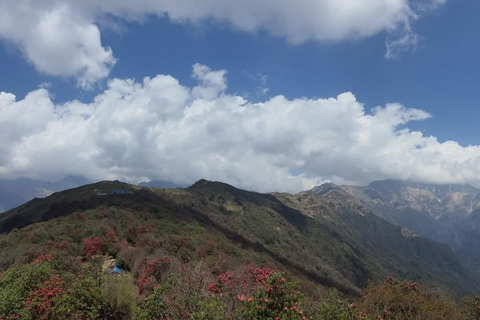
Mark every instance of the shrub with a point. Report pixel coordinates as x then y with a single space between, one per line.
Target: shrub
119 296
81 301
153 274
93 246
15 286
276 298
470 308
395 299
334 307
40 301
153 306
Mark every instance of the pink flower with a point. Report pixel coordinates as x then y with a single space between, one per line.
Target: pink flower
352 305
250 299
266 300
241 297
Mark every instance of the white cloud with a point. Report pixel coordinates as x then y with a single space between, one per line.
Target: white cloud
402 41
426 5
159 129
211 83
56 39
62 38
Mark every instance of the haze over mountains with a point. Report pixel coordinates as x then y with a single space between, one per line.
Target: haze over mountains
16 192
447 213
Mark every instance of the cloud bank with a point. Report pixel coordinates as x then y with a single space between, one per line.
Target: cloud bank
160 129
62 38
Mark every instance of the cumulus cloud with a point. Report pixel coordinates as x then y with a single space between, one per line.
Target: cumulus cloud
56 39
160 129
62 38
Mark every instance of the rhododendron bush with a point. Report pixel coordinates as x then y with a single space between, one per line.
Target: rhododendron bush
174 269
167 288
248 293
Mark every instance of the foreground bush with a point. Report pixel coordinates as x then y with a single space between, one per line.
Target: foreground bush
39 291
395 299
251 293
335 307
21 289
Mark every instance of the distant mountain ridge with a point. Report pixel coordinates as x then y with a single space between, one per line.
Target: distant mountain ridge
16 192
447 213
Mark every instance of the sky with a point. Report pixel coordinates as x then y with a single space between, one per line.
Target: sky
270 95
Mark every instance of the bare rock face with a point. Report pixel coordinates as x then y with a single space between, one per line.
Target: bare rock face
108 264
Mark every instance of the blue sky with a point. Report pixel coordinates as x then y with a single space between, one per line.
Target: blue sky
437 75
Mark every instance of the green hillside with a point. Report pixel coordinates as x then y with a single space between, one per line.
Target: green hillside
210 244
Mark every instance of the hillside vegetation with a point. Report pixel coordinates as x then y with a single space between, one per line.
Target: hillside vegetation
212 251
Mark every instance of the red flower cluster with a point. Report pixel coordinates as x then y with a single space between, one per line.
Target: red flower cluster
152 272
93 246
40 301
42 258
413 286
226 279
261 275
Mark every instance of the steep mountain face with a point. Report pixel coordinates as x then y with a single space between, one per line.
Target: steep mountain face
446 213
325 235
16 192
394 249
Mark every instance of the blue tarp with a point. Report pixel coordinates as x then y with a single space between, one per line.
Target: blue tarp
116 270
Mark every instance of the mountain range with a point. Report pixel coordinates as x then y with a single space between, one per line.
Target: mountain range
446 213
16 192
330 235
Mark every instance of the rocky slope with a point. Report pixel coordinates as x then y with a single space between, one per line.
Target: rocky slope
447 213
